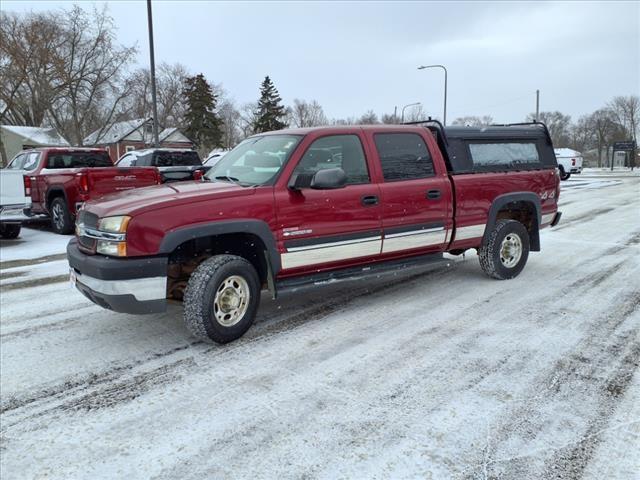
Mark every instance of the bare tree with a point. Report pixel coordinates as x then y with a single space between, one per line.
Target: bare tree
170 100
306 114
474 121
232 132
626 111
558 125
582 134
390 119
30 57
248 115
369 118
92 72
605 131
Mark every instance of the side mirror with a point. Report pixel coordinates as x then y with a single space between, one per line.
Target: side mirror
300 181
329 179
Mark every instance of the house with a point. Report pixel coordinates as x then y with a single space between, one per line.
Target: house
121 137
15 138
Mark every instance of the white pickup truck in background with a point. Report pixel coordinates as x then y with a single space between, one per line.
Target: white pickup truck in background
569 161
13 202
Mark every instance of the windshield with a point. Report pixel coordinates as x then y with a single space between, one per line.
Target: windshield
177 159
254 161
79 160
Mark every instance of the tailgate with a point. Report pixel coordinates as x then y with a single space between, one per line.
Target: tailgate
12 188
113 179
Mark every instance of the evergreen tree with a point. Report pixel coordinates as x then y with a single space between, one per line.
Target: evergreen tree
202 124
271 112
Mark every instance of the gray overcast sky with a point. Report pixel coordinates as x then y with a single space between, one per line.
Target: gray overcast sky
355 56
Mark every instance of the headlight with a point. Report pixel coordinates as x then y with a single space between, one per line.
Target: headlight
115 249
114 224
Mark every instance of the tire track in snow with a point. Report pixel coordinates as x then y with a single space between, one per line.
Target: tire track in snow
607 359
31 261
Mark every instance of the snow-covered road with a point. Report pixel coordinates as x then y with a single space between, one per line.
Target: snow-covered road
442 375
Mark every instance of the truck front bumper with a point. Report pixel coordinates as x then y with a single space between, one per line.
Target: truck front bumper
126 285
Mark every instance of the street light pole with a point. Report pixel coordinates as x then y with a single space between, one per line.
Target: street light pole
409 105
444 119
153 77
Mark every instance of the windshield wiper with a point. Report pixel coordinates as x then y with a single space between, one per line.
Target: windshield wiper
228 179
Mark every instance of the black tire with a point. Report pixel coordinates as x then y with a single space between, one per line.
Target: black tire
10 230
491 257
61 220
203 314
564 175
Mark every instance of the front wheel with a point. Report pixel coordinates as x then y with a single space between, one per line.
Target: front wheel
506 250
10 230
222 298
61 220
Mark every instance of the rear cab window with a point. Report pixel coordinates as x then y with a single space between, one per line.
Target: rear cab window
78 160
176 159
403 156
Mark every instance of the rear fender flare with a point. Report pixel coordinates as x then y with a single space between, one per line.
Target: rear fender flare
53 192
502 200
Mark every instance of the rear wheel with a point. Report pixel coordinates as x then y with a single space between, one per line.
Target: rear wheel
564 175
222 298
9 230
506 250
61 220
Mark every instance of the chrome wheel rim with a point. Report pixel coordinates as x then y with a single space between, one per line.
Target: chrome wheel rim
58 215
510 250
231 301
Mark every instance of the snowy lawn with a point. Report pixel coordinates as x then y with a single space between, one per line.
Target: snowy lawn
442 375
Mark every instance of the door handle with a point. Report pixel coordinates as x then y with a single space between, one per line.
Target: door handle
369 200
433 194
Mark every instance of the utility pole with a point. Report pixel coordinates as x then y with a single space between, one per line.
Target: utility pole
395 114
537 105
153 77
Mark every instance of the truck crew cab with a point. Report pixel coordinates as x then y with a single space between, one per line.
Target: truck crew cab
296 208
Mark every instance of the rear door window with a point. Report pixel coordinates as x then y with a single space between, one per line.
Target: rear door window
403 156
504 155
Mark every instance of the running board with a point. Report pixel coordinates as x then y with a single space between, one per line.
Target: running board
423 263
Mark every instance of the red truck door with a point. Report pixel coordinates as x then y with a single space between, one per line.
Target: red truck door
323 229
416 193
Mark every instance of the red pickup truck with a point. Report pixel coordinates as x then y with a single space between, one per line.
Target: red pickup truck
60 180
298 208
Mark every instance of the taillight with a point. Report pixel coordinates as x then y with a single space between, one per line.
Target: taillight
27 186
573 162
83 182
197 175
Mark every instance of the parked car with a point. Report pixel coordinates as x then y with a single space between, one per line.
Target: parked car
301 208
60 180
174 164
214 157
569 161
13 202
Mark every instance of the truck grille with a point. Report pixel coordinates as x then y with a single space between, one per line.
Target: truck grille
90 220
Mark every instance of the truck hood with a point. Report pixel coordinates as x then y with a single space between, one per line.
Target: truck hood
136 201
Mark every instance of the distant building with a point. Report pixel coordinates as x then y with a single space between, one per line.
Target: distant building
121 137
16 138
